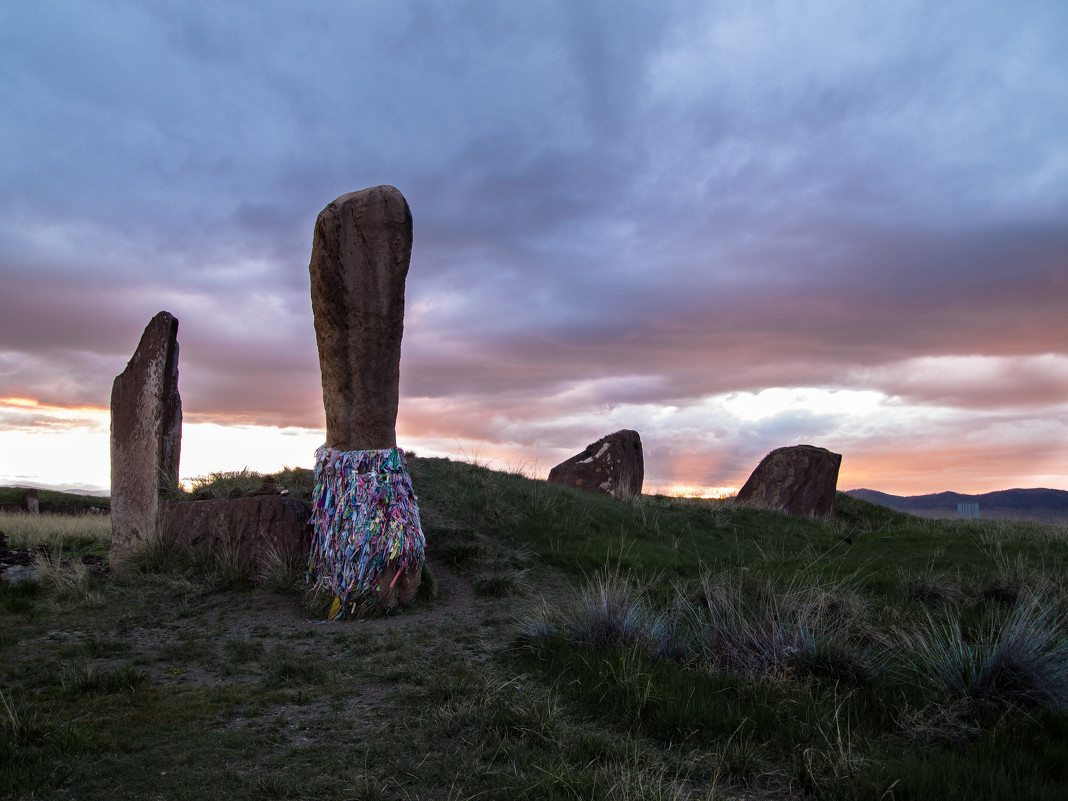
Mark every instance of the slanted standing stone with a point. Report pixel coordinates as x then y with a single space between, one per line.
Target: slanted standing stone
368 542
613 465
798 480
146 435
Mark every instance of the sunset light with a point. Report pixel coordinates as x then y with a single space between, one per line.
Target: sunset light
730 228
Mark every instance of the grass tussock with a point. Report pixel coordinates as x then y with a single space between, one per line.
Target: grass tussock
65 576
932 588
611 611
501 583
30 739
769 628
221 484
89 679
1017 659
298 482
156 560
280 570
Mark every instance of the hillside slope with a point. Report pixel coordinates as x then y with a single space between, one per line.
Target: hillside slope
1039 505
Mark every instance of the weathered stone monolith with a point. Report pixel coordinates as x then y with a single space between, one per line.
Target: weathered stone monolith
31 502
146 435
613 465
798 480
359 262
367 544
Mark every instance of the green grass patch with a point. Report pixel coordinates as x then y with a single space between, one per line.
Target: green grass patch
567 646
54 498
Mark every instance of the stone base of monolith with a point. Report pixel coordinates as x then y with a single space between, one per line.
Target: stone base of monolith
367 542
253 530
146 436
798 480
613 465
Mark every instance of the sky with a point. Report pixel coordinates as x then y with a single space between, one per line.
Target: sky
730 226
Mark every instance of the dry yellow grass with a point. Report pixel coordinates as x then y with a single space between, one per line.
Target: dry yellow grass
57 531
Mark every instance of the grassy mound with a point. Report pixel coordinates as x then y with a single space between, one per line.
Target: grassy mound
569 646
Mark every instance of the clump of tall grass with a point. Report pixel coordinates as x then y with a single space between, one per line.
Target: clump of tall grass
508 712
29 739
832 757
66 576
220 568
280 570
88 679
613 610
772 629
501 583
755 629
220 484
1013 579
1017 660
300 481
931 588
224 566
17 728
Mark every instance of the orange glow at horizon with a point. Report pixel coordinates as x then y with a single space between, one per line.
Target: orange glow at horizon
690 491
32 403
41 442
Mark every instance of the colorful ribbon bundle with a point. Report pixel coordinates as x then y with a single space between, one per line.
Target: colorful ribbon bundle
365 519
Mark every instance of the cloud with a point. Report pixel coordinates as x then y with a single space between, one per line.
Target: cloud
622 211
979 382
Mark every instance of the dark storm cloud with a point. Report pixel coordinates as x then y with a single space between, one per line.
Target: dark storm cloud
618 206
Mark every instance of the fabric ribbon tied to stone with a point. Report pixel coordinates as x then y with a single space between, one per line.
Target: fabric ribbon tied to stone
366 522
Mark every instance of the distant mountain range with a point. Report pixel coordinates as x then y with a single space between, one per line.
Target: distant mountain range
1039 505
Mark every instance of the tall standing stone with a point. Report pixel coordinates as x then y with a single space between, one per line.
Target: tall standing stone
146 435
798 480
367 543
31 502
359 262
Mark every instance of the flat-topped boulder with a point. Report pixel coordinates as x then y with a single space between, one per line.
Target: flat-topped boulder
146 435
798 480
613 465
